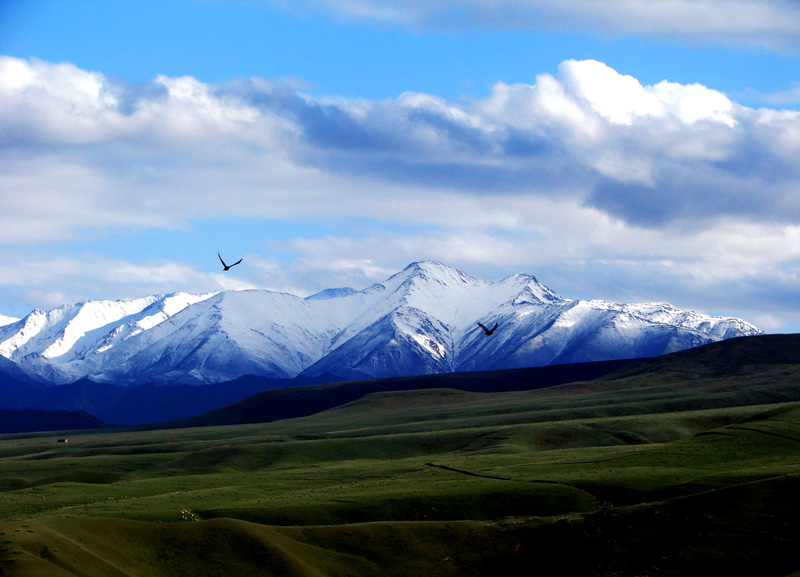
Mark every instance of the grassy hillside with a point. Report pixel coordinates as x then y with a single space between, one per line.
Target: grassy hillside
683 465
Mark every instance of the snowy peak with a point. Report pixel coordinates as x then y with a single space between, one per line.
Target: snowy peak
331 293
427 277
74 322
529 290
429 271
541 292
421 320
60 344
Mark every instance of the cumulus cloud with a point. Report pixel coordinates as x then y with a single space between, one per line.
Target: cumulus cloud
582 171
620 98
771 23
647 154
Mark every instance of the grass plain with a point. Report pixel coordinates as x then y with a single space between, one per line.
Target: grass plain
683 465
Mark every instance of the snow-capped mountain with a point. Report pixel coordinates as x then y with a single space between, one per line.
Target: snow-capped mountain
420 320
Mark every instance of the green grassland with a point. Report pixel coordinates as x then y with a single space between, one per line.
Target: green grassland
684 465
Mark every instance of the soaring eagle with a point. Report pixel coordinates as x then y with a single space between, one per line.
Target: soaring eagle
488 331
226 265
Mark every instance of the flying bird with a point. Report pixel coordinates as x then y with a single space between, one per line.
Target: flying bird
488 331
226 265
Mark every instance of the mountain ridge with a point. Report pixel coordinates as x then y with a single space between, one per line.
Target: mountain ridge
420 320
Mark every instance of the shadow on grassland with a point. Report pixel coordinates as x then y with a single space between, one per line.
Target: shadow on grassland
750 529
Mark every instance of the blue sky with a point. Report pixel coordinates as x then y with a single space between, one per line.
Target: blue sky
614 152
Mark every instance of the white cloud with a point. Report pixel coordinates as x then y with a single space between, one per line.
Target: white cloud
616 97
44 102
164 156
620 98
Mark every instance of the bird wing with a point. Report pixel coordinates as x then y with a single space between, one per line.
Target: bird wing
494 327
237 262
222 261
483 327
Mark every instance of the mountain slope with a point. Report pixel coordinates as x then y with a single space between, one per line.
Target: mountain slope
421 320
35 420
290 402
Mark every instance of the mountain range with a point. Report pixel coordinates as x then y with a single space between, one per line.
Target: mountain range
422 320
